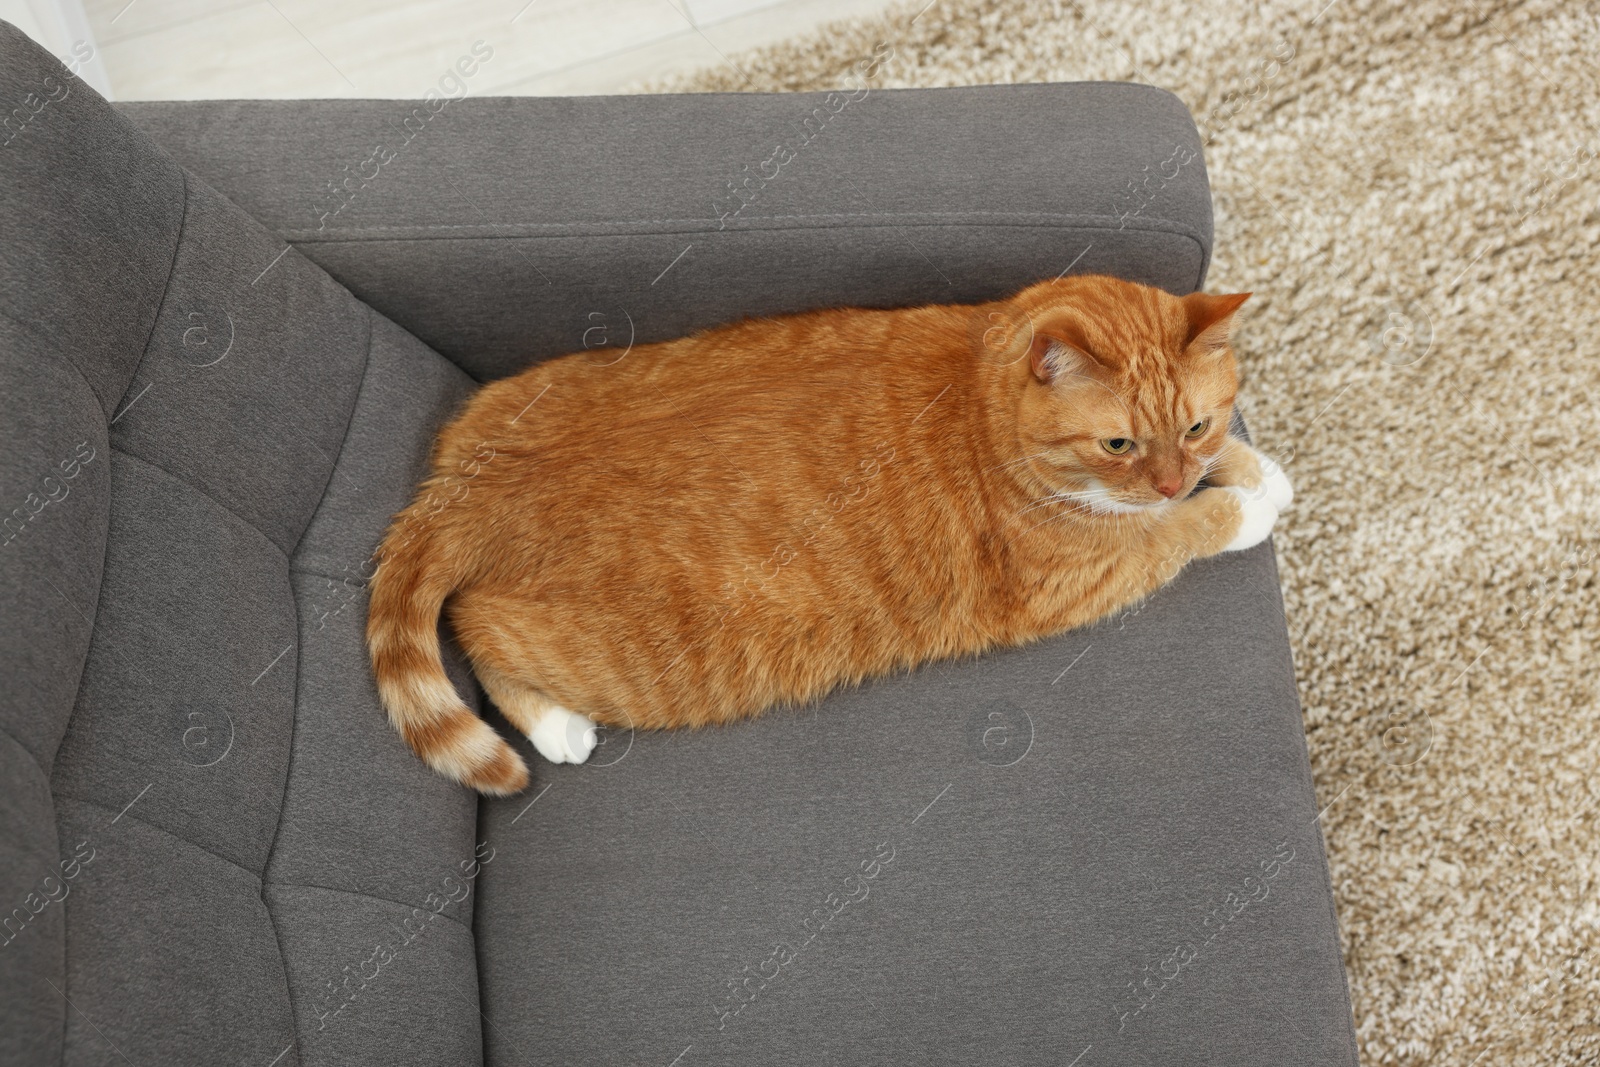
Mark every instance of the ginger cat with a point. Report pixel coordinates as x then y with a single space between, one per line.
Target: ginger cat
704 528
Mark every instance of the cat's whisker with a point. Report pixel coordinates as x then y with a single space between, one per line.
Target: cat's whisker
1053 498
1017 462
1084 499
1074 512
1097 501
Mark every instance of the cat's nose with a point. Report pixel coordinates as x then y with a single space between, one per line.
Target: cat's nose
1169 489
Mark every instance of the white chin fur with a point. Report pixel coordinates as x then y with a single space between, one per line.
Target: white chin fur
1097 498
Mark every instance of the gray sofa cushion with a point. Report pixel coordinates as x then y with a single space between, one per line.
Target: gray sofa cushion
202 773
517 228
1063 820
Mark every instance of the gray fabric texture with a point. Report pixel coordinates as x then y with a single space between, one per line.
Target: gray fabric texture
81 274
511 229
204 436
252 867
1063 820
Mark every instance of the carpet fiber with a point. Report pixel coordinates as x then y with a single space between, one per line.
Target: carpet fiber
1410 190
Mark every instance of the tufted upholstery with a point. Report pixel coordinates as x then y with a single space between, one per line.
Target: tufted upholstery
241 429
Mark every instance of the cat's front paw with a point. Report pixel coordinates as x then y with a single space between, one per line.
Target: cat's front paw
1255 474
563 736
1256 518
1274 483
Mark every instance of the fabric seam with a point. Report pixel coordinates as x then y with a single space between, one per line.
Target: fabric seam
162 831
349 421
294 717
749 224
1167 228
44 776
53 350
213 501
370 896
166 291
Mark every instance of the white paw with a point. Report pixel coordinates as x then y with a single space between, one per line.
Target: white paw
1275 483
563 736
1257 516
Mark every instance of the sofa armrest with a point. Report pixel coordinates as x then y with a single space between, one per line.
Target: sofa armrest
506 229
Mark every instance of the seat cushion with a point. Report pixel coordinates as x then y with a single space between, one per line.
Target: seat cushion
980 862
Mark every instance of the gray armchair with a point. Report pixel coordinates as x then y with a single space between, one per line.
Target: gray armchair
230 332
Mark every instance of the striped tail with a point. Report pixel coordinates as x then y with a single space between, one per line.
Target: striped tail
408 593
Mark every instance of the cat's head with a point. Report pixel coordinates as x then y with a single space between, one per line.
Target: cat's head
1127 392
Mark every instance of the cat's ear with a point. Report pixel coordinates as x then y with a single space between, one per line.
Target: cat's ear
1060 351
1211 319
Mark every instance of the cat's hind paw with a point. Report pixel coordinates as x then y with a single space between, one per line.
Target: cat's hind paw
1256 519
563 736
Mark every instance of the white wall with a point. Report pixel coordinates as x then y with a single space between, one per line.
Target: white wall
63 28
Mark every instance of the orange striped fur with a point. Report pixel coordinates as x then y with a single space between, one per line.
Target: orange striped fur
761 512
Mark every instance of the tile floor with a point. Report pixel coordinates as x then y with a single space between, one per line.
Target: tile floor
197 49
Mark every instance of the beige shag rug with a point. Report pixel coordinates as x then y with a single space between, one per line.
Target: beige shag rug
1412 192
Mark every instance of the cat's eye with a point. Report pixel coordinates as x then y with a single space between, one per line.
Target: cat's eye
1199 428
1117 446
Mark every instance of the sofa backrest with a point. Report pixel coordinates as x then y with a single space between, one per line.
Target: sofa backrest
510 229
207 824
